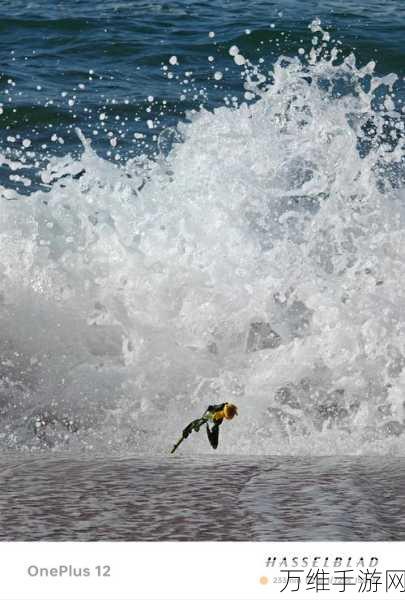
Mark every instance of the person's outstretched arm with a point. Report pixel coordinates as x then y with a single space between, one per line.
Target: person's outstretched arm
193 426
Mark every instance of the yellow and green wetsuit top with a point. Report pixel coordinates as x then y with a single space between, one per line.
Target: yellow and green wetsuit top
214 414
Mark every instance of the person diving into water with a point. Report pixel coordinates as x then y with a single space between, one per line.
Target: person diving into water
214 415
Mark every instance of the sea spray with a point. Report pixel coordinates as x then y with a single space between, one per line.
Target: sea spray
257 258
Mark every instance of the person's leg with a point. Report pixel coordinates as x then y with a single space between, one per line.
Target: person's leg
213 435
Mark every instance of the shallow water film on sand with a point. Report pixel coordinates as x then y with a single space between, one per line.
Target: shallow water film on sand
202 498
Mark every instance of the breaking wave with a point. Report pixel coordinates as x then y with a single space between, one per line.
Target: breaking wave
259 260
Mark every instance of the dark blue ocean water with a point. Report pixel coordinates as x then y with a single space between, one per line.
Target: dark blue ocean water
94 65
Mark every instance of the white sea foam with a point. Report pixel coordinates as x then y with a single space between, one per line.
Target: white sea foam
260 261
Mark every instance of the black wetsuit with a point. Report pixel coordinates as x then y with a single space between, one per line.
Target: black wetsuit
214 413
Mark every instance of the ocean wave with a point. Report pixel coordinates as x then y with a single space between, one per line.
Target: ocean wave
257 258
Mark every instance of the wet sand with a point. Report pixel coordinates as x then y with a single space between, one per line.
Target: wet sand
204 498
